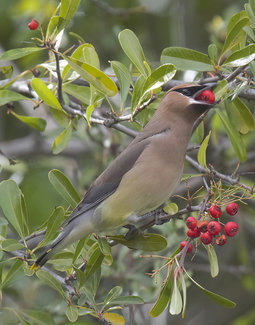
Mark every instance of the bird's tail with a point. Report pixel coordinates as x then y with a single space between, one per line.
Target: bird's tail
76 229
48 252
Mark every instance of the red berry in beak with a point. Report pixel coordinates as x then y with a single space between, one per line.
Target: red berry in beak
33 25
208 96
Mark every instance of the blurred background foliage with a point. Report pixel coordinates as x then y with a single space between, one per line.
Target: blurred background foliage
158 24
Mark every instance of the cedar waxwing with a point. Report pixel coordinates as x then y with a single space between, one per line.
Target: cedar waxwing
143 176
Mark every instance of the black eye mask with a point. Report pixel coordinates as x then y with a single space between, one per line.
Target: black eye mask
189 91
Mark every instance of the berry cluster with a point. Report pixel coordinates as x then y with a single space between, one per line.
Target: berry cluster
206 230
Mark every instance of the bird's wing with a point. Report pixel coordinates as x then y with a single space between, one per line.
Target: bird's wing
109 180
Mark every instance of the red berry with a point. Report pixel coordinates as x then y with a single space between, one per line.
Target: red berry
193 233
231 228
214 228
232 208
221 240
202 226
191 222
33 24
215 211
206 238
183 244
207 96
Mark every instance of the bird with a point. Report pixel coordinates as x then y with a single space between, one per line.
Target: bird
143 176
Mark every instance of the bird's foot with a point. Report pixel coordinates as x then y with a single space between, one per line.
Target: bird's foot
159 218
132 232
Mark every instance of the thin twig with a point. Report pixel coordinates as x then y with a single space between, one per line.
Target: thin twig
226 178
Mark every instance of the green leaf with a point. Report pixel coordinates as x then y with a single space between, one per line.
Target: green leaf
234 30
68 8
234 136
93 264
219 299
35 122
89 55
186 59
147 242
184 293
72 313
249 7
241 57
213 52
221 90
124 78
45 93
84 53
79 248
104 246
53 224
7 96
176 300
19 53
133 49
6 72
240 115
198 134
114 319
171 208
61 117
55 26
93 283
90 109
90 295
106 250
81 93
12 204
201 156
12 273
112 294
213 260
137 92
36 317
49 279
159 77
235 19
64 187
163 299
127 300
10 244
214 296
94 76
61 142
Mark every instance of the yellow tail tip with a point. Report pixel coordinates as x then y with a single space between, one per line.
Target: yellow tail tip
35 267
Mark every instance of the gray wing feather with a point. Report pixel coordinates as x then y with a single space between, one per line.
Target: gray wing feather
109 180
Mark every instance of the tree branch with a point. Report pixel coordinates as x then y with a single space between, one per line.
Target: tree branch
227 178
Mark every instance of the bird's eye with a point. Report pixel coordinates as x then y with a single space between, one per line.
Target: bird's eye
186 92
189 91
